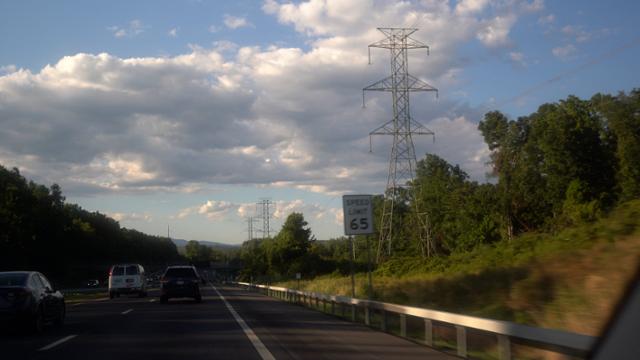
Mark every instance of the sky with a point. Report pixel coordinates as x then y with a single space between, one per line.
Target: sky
185 114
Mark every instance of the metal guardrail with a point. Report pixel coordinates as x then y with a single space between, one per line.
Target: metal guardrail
506 332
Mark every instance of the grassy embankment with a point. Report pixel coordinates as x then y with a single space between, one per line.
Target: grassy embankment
570 280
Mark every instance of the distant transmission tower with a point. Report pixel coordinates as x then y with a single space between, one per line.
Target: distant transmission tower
402 162
266 216
250 221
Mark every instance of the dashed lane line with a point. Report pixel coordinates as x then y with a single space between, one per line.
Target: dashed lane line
152 300
126 312
56 343
265 354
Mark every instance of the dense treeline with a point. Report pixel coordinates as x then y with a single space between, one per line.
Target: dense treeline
38 230
568 163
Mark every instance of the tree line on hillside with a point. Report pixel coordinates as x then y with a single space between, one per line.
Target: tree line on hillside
568 163
198 253
39 231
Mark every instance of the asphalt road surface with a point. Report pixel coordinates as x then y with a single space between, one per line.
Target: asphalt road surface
230 323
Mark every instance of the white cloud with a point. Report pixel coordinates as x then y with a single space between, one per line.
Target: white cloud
266 116
225 210
235 22
565 52
216 210
518 58
338 216
495 33
7 69
173 32
533 6
134 28
310 211
130 217
465 7
576 32
547 20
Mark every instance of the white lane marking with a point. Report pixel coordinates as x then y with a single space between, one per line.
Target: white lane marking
255 340
56 343
78 304
126 312
152 300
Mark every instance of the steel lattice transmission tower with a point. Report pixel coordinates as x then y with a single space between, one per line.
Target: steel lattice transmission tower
266 217
250 221
402 162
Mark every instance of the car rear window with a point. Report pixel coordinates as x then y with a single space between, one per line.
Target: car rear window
118 271
132 270
13 279
180 272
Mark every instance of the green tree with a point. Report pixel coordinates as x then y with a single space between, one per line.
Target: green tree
196 252
621 117
290 251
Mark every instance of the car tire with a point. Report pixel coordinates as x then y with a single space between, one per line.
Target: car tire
164 299
37 322
60 320
111 295
198 298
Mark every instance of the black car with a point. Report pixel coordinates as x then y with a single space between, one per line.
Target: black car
27 299
180 281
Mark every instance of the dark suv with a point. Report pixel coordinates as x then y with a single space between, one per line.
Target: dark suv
180 281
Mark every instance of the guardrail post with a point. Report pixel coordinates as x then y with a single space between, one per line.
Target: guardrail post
461 339
333 307
504 347
367 315
317 302
324 305
403 325
353 312
428 332
383 321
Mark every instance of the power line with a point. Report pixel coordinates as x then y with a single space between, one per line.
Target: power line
594 61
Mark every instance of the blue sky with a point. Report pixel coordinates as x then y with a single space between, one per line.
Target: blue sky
186 113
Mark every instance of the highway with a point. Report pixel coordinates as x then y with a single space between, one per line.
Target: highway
230 323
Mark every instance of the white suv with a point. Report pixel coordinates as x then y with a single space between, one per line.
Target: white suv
127 279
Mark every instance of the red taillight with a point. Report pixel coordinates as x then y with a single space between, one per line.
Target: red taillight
163 280
110 271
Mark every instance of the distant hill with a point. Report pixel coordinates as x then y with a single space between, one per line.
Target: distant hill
182 243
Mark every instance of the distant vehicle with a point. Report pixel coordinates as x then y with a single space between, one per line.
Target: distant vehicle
180 281
127 279
93 283
27 299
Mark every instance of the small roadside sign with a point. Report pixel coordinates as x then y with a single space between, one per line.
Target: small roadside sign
298 276
358 214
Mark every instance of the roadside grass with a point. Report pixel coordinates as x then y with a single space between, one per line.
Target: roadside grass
78 297
570 280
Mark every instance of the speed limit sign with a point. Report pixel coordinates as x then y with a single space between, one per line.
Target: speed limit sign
358 214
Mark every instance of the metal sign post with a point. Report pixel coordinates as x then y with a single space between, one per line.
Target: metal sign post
358 220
